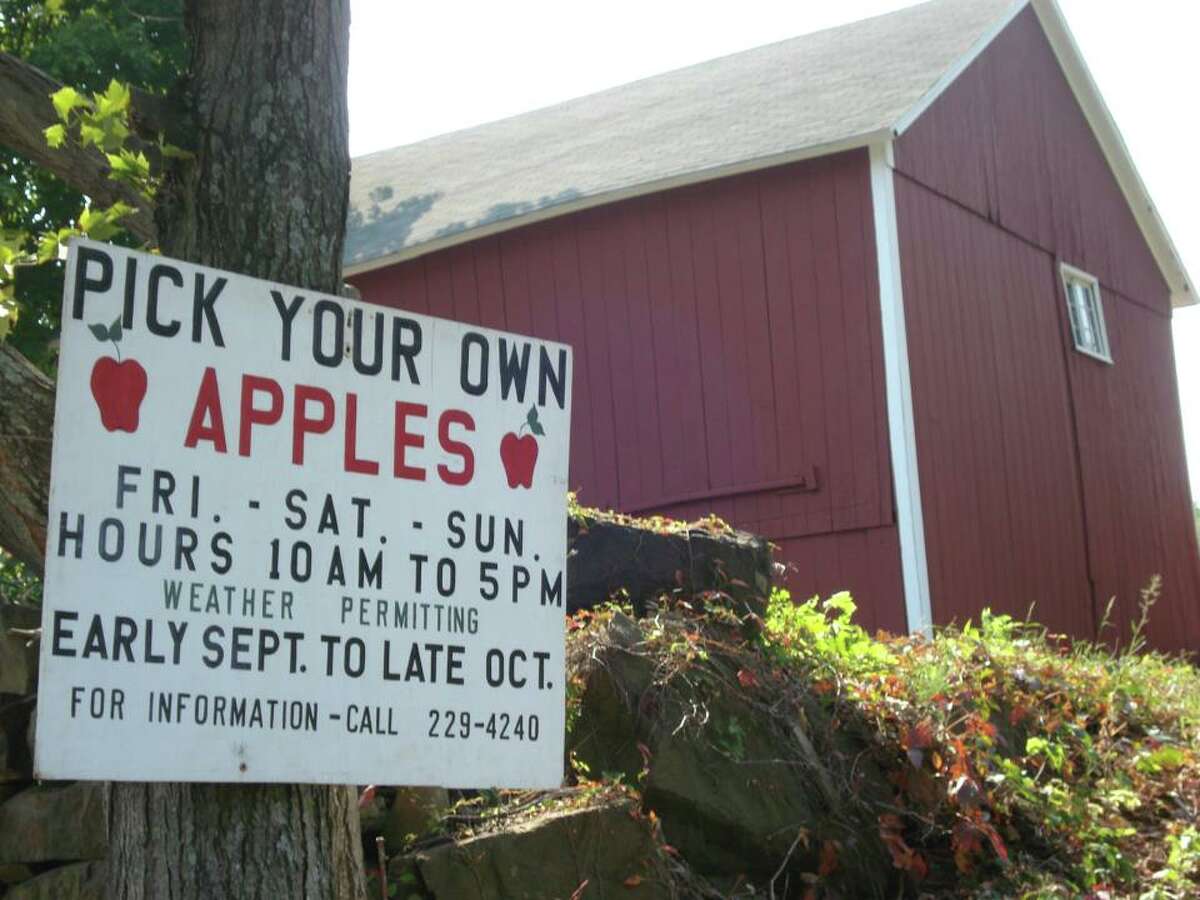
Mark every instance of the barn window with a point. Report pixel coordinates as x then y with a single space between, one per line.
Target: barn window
1087 315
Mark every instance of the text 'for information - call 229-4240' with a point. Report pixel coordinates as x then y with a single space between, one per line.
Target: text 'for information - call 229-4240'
298 538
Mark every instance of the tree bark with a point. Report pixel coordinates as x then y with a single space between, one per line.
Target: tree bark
26 414
265 194
26 112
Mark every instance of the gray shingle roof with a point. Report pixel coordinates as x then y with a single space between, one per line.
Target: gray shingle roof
822 89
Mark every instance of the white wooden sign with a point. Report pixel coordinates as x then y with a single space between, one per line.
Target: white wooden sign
298 538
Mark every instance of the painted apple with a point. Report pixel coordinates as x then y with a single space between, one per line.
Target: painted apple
519 452
118 386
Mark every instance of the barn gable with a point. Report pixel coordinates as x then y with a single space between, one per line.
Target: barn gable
1010 141
1049 476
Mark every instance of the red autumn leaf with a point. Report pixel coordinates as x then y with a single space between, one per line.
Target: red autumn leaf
997 841
919 736
965 841
747 679
1017 716
829 859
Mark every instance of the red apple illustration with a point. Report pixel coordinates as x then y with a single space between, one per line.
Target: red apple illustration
117 387
519 451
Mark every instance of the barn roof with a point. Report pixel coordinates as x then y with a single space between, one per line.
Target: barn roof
820 93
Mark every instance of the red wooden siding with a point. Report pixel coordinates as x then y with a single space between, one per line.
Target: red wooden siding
1046 475
1008 141
728 353
1135 476
999 478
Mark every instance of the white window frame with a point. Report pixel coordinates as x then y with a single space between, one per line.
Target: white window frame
1071 274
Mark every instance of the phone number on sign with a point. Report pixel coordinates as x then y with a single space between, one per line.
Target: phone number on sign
461 724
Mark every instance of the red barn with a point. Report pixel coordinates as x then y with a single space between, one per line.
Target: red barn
891 294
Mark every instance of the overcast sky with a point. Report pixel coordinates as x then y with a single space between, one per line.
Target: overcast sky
417 70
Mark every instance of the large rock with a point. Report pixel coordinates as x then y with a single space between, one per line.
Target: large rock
18 653
55 823
609 846
745 783
79 881
609 554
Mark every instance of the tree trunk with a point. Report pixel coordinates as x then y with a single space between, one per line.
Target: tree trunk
26 411
265 194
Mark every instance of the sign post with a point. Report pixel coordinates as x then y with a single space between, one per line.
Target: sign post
298 538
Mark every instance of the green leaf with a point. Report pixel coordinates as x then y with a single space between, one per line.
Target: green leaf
50 242
66 99
843 604
114 330
55 135
170 151
114 100
102 224
532 421
90 134
100 331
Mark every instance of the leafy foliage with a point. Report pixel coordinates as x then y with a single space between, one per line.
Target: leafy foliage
1023 764
1032 765
86 44
17 583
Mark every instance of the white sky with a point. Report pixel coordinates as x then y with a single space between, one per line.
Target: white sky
420 69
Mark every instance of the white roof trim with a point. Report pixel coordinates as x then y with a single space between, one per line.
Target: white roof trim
603 199
1087 94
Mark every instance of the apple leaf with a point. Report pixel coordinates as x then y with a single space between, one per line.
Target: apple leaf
532 421
100 331
114 330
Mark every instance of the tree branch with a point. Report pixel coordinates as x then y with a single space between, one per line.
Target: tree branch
26 424
25 113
